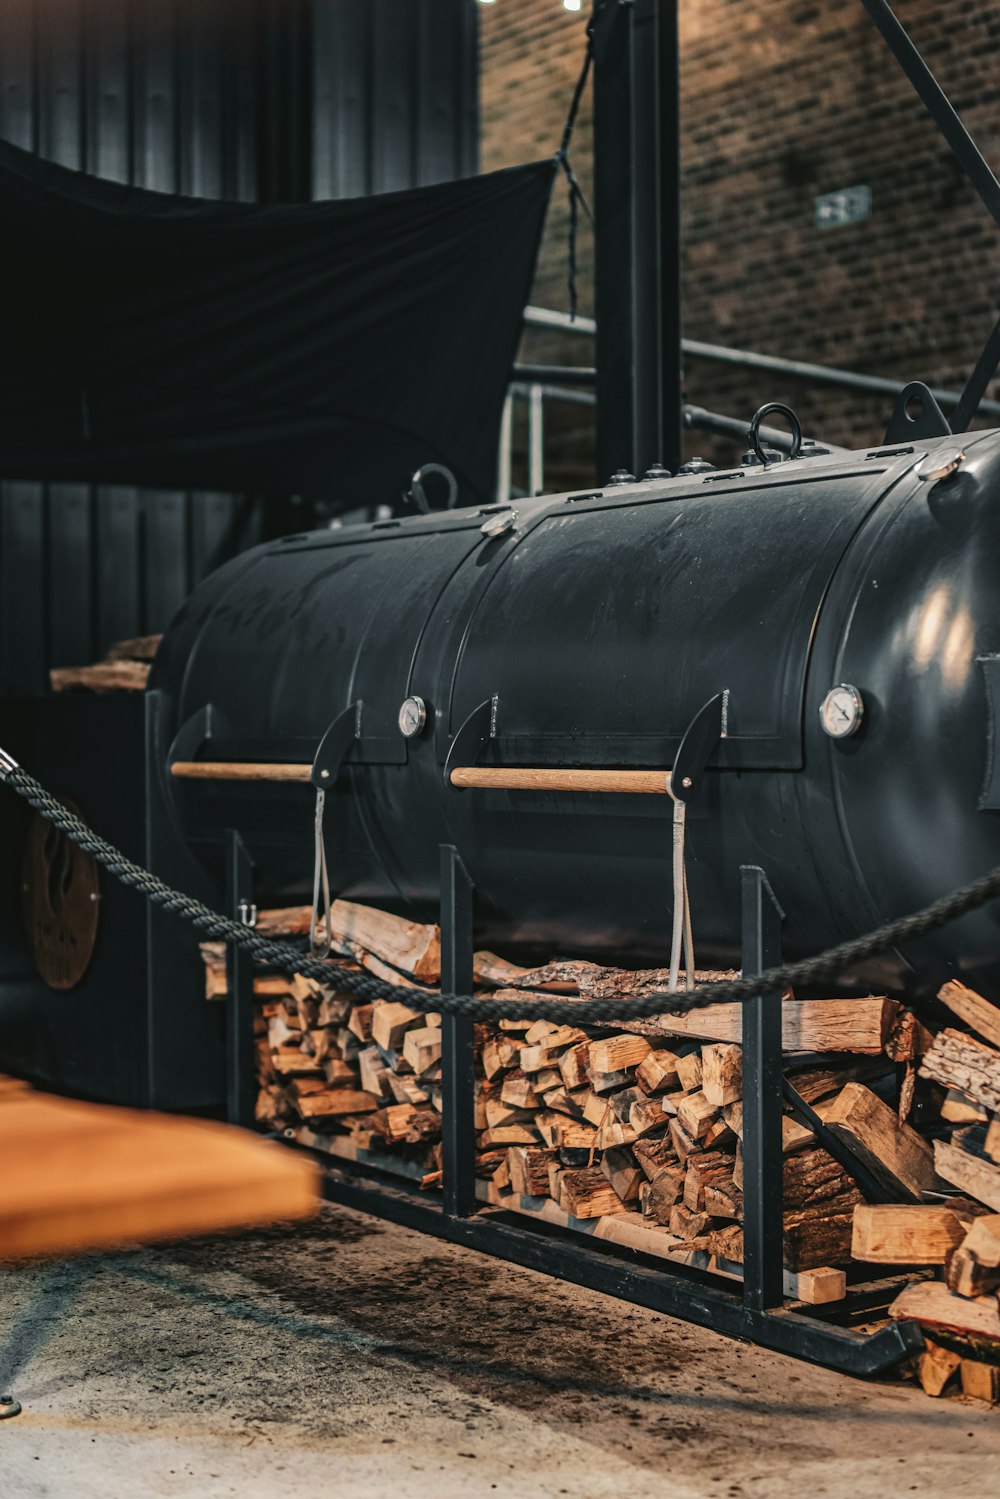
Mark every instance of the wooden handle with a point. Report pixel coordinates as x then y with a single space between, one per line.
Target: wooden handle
492 778
487 778
221 770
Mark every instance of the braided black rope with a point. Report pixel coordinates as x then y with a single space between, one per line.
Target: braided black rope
823 968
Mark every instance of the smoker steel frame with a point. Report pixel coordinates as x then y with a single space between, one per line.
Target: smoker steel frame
755 1311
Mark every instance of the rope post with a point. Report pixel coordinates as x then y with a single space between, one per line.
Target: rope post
458 1072
763 1261
240 1060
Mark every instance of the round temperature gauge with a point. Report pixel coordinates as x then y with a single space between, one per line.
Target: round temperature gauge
412 717
841 711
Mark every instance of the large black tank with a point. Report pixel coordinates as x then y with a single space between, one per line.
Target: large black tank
602 622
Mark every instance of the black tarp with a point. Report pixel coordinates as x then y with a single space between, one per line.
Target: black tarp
326 349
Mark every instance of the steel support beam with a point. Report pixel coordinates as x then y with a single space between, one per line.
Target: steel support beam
637 218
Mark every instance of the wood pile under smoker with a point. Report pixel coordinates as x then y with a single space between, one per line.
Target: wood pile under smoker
633 1134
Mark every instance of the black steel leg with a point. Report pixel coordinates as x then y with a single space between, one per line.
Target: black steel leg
457 1054
240 1069
762 1160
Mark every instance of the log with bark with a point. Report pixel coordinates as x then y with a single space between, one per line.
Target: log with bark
125 668
103 676
961 1062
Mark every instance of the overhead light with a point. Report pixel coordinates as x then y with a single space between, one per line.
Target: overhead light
572 4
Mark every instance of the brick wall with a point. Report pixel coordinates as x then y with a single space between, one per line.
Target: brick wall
781 102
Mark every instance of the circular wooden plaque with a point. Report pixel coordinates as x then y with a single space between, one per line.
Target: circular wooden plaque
60 903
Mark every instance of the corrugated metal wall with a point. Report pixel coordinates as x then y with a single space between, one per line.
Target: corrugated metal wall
395 95
276 100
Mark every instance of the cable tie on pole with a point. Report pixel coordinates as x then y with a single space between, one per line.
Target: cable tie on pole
576 197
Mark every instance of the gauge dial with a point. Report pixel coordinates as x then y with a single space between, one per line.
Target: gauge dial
412 717
841 711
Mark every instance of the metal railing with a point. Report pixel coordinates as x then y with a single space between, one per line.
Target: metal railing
534 393
535 384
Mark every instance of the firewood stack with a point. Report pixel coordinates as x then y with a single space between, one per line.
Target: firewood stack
349 1077
634 1135
959 1236
651 1127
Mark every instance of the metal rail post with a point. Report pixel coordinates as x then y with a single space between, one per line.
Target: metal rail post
506 453
536 440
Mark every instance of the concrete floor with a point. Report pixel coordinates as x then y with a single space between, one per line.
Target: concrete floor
353 1357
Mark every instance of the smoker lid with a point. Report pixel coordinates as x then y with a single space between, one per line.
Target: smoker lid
610 625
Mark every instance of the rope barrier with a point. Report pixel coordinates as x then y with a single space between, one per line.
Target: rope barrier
576 197
824 967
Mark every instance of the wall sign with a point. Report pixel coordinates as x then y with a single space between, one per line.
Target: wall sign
849 205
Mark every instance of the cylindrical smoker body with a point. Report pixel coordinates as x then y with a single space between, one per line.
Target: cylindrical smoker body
601 623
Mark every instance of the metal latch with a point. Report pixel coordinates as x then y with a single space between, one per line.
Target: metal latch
499 524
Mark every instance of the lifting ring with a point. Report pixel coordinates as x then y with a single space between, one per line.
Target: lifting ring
417 495
775 408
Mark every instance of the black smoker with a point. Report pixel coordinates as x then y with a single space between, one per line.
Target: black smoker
588 630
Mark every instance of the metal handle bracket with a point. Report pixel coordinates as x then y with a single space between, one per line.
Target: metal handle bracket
703 734
335 746
467 745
